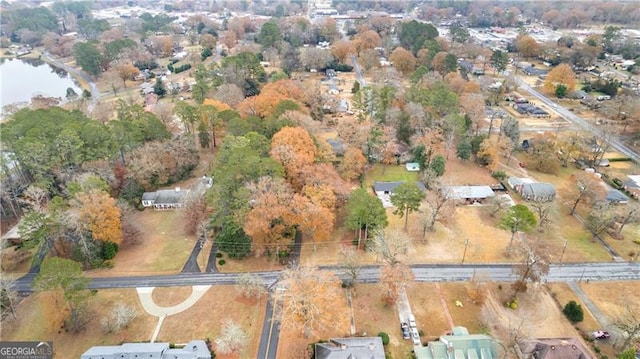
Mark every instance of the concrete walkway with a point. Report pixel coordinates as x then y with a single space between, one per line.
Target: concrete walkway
152 308
597 314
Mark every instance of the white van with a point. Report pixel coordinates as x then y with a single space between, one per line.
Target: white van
412 321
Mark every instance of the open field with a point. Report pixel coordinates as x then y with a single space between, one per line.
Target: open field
204 319
39 319
164 247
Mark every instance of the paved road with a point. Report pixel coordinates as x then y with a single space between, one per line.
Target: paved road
614 271
95 94
358 70
615 143
270 333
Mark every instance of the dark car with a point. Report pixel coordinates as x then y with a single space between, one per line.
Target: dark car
404 327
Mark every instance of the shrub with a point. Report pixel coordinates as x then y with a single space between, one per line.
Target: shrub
385 338
222 262
596 349
421 332
499 175
109 250
573 312
218 255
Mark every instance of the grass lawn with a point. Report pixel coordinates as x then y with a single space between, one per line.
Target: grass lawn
562 295
626 247
39 319
427 308
170 296
204 319
164 246
389 173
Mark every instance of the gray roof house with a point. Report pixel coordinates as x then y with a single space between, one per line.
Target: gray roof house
384 190
459 345
195 349
174 198
532 191
469 194
351 348
389 187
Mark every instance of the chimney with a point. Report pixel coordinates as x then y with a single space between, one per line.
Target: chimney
177 189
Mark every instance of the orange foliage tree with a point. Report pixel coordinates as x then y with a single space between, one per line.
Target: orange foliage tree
560 75
341 49
101 215
403 60
353 163
293 147
315 221
366 40
271 218
270 96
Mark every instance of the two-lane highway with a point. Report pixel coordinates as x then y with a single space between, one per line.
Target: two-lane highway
614 271
615 143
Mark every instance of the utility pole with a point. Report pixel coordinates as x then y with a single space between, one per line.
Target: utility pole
564 247
466 244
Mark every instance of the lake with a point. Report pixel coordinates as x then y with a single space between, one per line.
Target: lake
21 79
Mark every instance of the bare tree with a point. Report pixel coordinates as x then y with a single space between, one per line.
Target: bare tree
313 300
496 205
250 286
437 206
389 246
600 218
232 338
585 188
395 278
545 212
352 264
627 214
8 296
629 325
533 267
120 317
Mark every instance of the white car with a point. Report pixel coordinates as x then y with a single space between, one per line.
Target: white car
415 337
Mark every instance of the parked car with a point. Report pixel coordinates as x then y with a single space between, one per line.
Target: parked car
415 336
404 328
601 334
412 321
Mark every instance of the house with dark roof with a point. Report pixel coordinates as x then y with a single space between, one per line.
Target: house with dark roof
384 190
351 348
195 349
554 348
459 345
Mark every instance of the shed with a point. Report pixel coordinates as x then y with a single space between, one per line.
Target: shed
633 185
615 196
412 166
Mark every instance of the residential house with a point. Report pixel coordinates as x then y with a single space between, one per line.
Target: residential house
195 349
384 190
174 198
459 345
554 348
469 194
530 190
633 185
351 348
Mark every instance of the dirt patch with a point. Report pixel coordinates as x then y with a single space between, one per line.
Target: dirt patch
204 320
537 315
40 319
427 308
170 296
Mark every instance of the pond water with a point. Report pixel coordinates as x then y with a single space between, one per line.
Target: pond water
22 79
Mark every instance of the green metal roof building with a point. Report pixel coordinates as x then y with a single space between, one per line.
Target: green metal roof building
459 345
